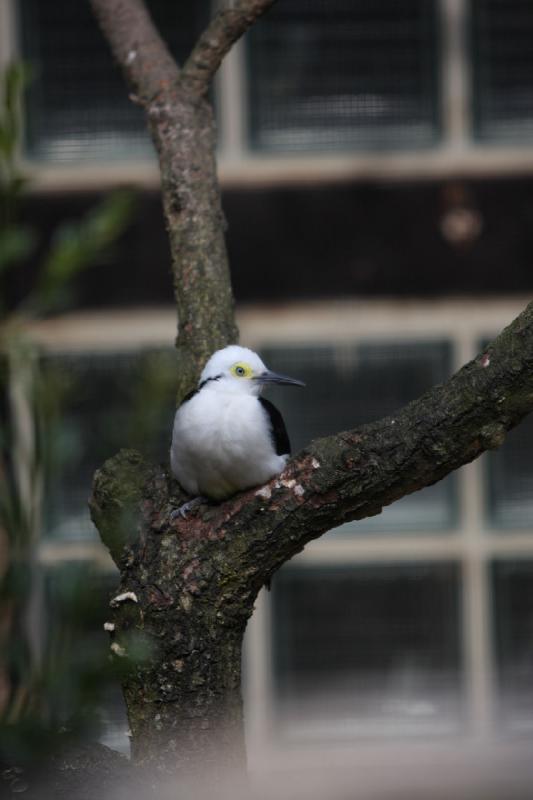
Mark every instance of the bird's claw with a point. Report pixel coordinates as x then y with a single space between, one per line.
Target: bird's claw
184 510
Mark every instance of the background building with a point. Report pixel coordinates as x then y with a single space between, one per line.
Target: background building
376 158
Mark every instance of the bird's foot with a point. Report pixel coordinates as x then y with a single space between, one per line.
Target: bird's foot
184 510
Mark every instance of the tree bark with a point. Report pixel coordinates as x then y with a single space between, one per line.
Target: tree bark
177 633
181 123
188 586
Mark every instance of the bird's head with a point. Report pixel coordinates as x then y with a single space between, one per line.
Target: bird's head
240 370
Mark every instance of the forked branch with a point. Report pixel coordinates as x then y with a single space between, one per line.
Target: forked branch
136 45
181 123
144 57
216 41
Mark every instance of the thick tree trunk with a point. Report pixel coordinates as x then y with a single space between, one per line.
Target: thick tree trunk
200 728
177 623
184 700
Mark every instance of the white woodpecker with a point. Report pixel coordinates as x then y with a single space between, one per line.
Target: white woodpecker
226 437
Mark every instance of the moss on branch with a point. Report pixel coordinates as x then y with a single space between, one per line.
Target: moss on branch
128 494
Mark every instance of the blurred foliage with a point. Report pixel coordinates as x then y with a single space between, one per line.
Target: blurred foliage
75 245
16 240
59 696
109 400
51 667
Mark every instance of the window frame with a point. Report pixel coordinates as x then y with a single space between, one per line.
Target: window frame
457 152
472 543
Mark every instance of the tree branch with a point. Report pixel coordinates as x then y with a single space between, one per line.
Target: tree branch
223 31
182 128
143 56
350 475
354 474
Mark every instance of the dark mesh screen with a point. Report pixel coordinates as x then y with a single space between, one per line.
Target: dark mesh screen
78 106
368 646
349 385
512 583
502 44
344 73
510 480
508 473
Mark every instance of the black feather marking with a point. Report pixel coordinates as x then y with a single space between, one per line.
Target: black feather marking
191 394
214 378
278 431
188 396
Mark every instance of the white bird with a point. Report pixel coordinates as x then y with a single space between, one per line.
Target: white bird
226 437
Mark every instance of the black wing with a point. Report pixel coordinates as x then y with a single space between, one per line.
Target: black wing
278 431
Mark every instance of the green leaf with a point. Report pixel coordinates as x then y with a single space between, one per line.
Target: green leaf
18 184
109 219
14 79
78 245
16 244
17 76
7 140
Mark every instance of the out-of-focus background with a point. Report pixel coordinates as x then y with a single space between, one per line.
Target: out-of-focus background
376 160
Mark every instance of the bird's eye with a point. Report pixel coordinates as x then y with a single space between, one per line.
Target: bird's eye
241 371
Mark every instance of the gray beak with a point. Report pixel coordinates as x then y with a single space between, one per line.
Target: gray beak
274 377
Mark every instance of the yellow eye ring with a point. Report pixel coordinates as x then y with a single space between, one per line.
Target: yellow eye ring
241 370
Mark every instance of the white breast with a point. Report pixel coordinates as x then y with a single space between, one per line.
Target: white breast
221 444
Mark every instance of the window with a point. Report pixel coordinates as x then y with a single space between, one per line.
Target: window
365 649
510 481
349 385
414 624
502 31
513 620
352 77
341 74
78 108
